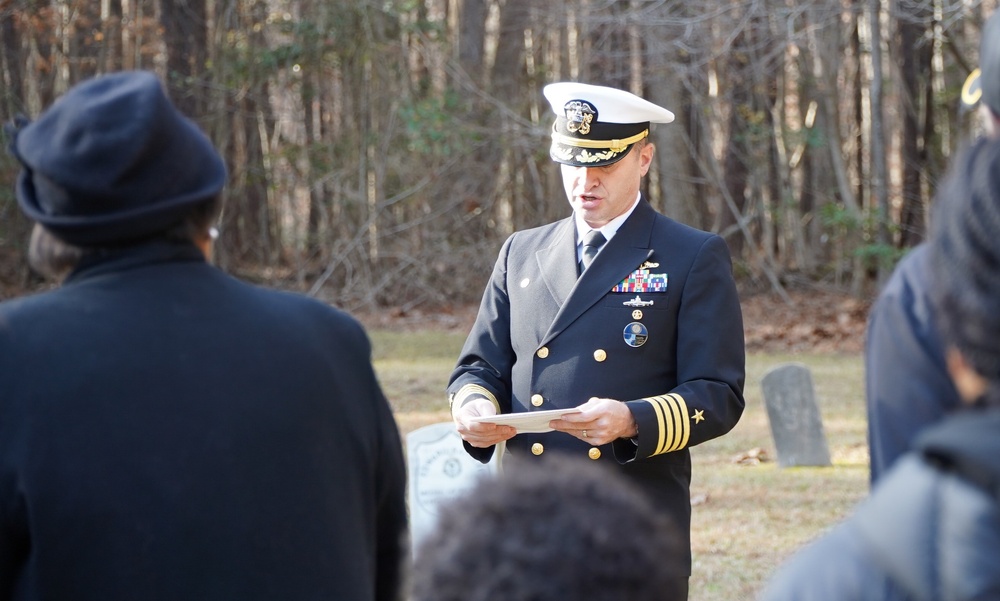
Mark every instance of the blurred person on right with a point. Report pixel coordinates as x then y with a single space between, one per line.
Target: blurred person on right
931 528
907 386
560 529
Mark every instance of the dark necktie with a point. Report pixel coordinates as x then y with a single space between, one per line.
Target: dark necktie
592 242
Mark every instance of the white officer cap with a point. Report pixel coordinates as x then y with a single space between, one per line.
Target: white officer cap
597 125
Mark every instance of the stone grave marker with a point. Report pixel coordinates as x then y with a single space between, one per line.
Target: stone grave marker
438 469
793 414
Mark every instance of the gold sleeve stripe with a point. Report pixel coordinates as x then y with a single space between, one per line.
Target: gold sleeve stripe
683 423
672 421
470 390
670 407
660 420
670 412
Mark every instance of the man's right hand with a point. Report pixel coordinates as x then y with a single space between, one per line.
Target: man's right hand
480 434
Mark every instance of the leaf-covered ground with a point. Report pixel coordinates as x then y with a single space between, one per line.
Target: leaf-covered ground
816 321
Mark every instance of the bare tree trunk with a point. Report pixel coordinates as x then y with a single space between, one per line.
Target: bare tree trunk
914 49
736 170
261 223
755 142
310 95
507 86
249 230
110 53
82 56
608 60
185 36
676 193
472 38
132 41
11 67
858 108
878 155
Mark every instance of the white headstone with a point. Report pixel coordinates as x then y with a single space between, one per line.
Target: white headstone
439 469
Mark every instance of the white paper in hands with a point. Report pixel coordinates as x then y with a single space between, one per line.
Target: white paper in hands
526 423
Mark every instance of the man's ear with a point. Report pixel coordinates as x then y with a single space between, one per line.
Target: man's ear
969 383
646 157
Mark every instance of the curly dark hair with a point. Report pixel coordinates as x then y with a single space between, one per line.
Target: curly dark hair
554 530
965 251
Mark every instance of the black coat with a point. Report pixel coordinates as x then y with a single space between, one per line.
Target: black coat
929 532
907 386
546 335
169 432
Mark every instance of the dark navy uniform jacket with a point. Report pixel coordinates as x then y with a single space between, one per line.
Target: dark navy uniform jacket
655 321
907 386
169 432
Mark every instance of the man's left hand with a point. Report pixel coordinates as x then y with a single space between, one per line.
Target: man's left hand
600 421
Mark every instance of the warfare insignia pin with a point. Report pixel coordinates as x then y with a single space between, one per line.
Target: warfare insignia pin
637 302
649 265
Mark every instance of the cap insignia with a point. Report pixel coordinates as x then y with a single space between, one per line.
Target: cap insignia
579 115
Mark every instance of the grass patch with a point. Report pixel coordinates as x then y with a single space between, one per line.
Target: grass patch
754 516
413 368
746 518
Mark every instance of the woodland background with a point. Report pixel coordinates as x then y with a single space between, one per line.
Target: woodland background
379 151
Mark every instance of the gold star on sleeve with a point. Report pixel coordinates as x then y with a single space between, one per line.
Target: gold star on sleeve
699 416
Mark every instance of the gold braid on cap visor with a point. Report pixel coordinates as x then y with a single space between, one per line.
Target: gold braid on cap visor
971 93
615 146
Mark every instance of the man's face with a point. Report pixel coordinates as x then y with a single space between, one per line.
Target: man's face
599 194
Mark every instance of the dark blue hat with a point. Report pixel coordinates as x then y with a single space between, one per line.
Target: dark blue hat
113 160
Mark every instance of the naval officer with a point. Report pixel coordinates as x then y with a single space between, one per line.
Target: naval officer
617 309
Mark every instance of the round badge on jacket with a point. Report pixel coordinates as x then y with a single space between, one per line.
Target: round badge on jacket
635 334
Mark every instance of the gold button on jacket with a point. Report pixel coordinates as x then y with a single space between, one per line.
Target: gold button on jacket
600 355
543 352
537 449
594 453
537 400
